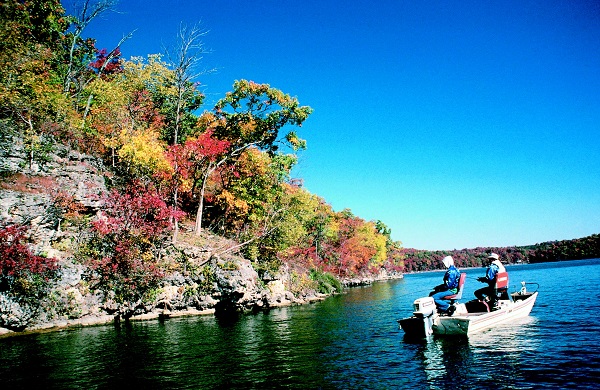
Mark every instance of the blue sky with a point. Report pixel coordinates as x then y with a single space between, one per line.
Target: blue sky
458 124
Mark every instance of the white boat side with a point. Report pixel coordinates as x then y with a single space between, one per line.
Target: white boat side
468 323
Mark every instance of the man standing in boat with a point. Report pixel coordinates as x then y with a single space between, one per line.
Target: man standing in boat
449 287
494 267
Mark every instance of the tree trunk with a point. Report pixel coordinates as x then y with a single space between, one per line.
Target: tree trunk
176 230
200 208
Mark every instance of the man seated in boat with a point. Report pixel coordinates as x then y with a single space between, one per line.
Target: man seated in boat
494 268
449 287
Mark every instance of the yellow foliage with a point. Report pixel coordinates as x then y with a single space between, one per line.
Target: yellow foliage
144 150
232 204
370 238
248 127
152 75
254 162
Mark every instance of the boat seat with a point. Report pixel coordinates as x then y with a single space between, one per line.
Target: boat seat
501 286
461 284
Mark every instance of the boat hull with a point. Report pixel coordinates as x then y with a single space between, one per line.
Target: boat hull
469 323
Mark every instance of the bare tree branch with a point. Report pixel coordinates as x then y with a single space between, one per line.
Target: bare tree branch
185 57
113 53
88 13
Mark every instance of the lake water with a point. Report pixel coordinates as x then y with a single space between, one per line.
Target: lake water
351 341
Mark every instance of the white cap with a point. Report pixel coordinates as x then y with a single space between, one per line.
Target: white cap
493 256
448 261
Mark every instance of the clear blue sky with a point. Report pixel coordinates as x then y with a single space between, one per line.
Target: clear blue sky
457 123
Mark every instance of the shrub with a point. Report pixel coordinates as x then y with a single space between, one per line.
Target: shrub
25 278
123 255
327 283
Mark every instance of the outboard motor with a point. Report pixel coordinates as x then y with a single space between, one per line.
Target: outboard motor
420 324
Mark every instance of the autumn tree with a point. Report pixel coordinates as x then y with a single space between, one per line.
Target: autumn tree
192 164
128 120
253 115
79 50
249 203
30 52
184 96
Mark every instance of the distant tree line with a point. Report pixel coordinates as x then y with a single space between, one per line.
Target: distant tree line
415 260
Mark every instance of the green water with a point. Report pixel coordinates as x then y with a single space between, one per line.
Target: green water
350 341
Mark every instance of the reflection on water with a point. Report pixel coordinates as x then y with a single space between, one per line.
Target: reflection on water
444 360
477 361
351 341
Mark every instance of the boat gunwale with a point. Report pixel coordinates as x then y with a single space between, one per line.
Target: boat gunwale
516 305
476 322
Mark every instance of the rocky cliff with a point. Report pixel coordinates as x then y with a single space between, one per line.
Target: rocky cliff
28 195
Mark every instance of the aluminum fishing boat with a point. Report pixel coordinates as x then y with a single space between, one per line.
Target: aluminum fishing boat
473 316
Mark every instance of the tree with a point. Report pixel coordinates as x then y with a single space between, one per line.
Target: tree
252 115
88 12
30 34
128 120
124 254
185 97
249 202
196 161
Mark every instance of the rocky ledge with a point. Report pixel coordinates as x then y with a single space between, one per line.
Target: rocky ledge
226 282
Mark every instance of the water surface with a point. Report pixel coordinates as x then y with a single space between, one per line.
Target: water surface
349 341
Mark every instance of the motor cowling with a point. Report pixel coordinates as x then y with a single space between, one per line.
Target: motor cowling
424 315
424 307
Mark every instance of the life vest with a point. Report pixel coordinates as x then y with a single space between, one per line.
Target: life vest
499 265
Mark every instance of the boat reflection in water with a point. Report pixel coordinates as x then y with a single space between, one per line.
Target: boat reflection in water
450 362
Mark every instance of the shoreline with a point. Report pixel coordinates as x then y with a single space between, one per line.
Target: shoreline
108 319
165 314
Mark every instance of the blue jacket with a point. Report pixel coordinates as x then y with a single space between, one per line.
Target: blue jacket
491 272
451 278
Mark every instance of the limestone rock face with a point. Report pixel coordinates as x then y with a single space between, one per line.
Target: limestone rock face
29 192
206 280
14 316
238 289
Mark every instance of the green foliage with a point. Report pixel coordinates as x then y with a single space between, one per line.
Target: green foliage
63 304
301 282
326 282
229 266
254 114
208 278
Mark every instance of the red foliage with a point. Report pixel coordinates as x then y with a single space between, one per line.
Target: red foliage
30 184
114 64
16 258
124 254
206 146
194 159
139 212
